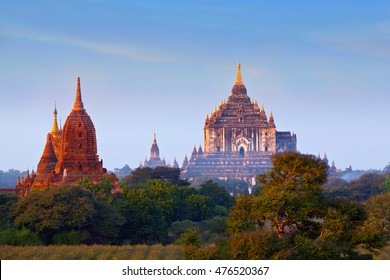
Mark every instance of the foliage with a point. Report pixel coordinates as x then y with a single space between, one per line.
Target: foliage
177 228
200 252
386 169
54 211
19 237
291 195
166 174
292 208
151 210
216 194
101 190
366 186
7 203
254 245
245 214
335 182
72 237
378 208
385 187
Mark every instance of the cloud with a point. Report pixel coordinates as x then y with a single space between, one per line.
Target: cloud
378 47
127 51
371 40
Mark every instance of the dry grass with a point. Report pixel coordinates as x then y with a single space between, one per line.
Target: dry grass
93 252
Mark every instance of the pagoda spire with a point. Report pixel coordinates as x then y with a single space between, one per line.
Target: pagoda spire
54 128
78 104
238 77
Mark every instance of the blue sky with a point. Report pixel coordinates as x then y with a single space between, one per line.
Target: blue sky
321 67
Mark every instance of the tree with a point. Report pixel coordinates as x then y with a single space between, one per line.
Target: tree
54 211
7 203
101 190
378 208
216 194
385 187
142 174
291 197
292 207
366 186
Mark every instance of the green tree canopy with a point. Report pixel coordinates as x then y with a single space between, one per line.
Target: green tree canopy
292 208
142 174
291 195
53 211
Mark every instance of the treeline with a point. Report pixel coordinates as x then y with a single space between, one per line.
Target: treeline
296 213
147 211
291 217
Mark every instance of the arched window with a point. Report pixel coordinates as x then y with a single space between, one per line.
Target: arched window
266 148
80 135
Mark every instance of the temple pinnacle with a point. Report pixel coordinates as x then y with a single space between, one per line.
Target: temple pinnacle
239 78
54 128
78 104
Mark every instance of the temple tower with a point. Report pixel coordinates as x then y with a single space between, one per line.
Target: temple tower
78 146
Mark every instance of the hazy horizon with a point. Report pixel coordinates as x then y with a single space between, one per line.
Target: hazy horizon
146 66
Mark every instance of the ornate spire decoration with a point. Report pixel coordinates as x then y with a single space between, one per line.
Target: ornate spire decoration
200 150
271 120
175 164
238 77
54 128
78 104
154 150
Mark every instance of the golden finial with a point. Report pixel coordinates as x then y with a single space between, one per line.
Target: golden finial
215 110
262 107
207 117
54 128
239 78
271 116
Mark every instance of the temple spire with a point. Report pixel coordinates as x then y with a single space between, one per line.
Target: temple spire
239 78
54 128
78 104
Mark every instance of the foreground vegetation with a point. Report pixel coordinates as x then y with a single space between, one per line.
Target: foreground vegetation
92 252
289 216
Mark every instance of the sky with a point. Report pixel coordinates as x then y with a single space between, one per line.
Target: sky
321 67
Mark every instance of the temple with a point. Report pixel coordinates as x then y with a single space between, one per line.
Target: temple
70 153
239 140
154 159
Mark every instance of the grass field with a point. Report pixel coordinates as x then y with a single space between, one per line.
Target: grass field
93 252
107 252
